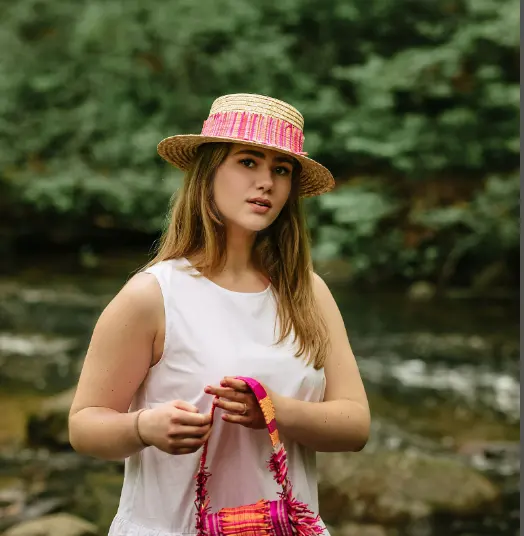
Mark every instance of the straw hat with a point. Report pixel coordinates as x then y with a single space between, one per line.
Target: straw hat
252 120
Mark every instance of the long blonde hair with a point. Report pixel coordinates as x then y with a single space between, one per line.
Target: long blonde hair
281 251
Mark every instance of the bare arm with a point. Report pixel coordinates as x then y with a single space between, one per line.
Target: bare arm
342 421
117 361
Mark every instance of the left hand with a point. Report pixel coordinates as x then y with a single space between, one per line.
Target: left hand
238 402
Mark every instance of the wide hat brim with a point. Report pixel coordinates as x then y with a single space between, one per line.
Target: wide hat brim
180 151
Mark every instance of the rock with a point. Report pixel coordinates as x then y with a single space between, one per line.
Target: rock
500 457
54 525
48 427
25 499
490 449
12 500
32 511
35 360
422 291
393 488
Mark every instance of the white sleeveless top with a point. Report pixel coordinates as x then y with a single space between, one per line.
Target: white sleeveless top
210 333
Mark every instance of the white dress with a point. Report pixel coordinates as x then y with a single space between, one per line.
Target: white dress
212 332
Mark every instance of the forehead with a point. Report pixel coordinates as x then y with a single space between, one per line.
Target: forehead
261 152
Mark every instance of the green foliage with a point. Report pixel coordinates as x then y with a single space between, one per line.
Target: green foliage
407 88
364 224
131 199
487 229
349 222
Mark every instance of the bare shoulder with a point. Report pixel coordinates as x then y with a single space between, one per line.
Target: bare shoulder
140 295
143 287
138 301
323 294
318 283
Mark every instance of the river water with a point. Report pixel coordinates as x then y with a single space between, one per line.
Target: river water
440 375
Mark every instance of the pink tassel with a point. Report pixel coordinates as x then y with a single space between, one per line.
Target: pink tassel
278 465
304 521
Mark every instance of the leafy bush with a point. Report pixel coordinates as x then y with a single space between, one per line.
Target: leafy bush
364 224
486 229
350 223
408 88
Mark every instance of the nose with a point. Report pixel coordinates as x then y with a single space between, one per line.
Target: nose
264 180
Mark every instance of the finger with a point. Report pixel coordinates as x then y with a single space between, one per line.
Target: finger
206 437
185 442
225 392
191 431
233 407
191 419
215 390
237 385
237 419
186 406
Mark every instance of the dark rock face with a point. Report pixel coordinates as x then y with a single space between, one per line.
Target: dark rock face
395 488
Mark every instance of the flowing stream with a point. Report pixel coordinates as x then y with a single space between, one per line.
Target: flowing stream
441 376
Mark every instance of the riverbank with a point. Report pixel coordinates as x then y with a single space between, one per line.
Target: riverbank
442 378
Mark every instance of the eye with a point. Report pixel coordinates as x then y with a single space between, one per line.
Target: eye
248 162
281 170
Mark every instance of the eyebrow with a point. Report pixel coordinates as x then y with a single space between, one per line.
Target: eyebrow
261 155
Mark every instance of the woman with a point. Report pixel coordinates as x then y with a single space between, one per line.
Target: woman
231 292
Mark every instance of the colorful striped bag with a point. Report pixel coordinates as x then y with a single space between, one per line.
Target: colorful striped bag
284 517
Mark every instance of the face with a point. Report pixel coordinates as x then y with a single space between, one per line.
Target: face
252 185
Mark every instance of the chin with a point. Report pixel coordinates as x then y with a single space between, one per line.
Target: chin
253 225
257 227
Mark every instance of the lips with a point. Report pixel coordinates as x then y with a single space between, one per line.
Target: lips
260 201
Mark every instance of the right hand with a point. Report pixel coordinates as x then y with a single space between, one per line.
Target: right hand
175 427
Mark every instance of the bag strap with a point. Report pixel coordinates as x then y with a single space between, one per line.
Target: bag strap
277 463
266 405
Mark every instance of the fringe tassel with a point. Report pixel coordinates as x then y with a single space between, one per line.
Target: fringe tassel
202 500
278 465
303 520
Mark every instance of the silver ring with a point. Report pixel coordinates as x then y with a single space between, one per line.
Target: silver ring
245 409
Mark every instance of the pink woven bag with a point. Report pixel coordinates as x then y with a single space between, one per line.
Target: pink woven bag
283 517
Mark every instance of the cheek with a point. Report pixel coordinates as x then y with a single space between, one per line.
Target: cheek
227 190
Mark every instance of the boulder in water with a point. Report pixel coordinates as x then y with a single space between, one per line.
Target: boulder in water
54 525
395 488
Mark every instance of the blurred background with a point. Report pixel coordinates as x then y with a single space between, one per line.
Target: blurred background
414 106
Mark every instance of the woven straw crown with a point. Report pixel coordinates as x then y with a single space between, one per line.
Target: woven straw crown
253 120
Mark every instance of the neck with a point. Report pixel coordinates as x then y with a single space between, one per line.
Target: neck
239 249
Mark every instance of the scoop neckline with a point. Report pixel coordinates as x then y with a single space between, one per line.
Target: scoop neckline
224 289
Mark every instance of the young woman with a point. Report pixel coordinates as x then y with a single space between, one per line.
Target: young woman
231 292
